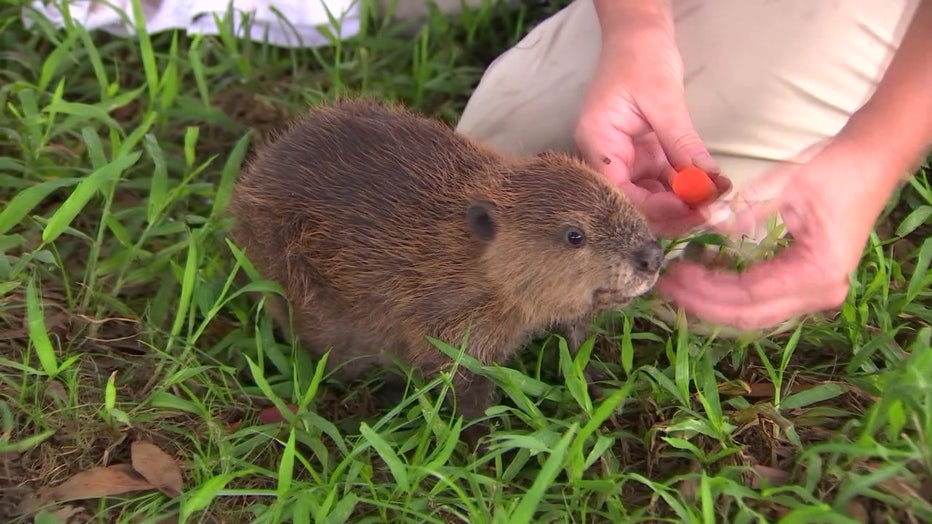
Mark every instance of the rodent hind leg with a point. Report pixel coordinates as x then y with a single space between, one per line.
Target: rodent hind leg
471 395
474 394
353 351
576 332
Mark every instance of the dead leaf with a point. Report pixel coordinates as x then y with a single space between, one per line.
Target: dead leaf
858 512
156 466
734 388
13 334
65 513
925 489
768 476
56 392
272 415
761 390
93 483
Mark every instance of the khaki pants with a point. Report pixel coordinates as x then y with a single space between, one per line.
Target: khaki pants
764 79
416 10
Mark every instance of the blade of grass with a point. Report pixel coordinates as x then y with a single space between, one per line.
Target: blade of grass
524 512
82 194
38 334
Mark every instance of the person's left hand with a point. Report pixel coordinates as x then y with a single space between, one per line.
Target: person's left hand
634 125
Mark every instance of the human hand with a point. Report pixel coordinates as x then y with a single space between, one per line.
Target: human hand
634 126
830 219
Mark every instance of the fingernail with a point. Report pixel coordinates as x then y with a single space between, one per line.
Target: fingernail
706 163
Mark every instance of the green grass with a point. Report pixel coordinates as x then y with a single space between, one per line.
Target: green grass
121 318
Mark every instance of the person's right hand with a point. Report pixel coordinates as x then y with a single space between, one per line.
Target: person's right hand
829 205
634 125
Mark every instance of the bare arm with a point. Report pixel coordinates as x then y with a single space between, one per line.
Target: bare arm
829 203
634 125
897 120
618 13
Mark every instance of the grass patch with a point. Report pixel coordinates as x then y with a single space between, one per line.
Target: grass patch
121 320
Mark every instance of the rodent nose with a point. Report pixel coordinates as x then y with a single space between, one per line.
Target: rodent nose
648 257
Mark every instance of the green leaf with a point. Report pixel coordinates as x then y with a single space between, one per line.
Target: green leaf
82 194
918 280
228 175
524 512
38 334
395 465
27 199
913 220
812 395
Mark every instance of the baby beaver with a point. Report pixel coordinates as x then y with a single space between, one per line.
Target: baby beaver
385 227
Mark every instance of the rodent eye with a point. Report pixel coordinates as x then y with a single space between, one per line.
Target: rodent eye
575 237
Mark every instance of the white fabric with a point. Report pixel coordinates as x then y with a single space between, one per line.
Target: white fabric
285 23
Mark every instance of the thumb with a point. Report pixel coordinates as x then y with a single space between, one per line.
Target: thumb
744 211
740 213
678 137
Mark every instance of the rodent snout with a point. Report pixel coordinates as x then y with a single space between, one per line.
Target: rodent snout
648 257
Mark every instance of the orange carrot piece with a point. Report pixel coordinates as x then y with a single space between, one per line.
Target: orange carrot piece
693 186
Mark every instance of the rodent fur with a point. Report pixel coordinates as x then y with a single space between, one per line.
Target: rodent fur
385 227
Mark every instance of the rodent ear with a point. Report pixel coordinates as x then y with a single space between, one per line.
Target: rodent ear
481 220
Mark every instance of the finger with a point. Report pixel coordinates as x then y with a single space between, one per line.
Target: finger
743 211
722 183
767 294
666 214
670 216
763 281
677 227
755 316
669 118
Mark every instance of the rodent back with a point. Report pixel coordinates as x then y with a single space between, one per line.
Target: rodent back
364 189
396 217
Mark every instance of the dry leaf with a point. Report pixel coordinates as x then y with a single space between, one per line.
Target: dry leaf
156 466
761 390
273 415
925 489
734 388
773 476
93 483
858 512
56 391
65 513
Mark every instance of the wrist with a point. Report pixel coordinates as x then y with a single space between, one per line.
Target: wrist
892 151
896 122
624 16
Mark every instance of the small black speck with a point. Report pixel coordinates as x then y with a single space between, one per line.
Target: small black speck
606 160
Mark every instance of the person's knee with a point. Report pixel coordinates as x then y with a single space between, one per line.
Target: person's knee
529 98
417 10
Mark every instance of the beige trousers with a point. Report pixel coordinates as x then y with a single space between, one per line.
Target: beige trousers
764 79
417 10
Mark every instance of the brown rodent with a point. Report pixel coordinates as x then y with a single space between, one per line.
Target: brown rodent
385 227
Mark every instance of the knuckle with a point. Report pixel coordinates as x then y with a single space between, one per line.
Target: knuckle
687 139
837 295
